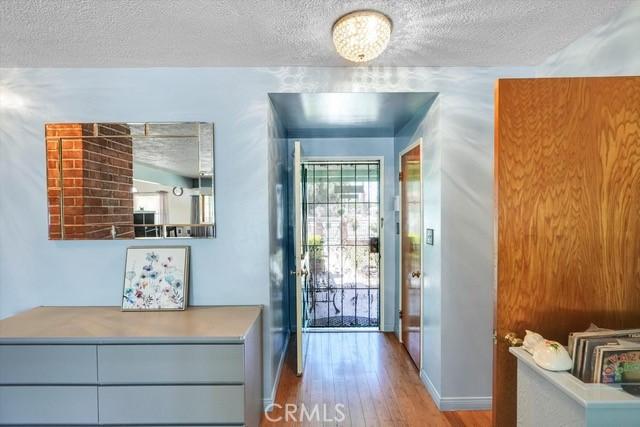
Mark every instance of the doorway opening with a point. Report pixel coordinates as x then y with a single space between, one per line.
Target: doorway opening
343 223
337 156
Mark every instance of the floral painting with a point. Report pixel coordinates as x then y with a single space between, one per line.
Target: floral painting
156 278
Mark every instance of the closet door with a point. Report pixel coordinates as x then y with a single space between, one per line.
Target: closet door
567 165
411 247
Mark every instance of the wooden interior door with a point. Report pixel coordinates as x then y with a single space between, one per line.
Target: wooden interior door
567 164
411 232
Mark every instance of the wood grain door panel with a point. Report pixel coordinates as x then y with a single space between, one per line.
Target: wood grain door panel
567 165
411 228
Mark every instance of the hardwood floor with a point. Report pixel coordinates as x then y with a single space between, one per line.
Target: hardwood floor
371 375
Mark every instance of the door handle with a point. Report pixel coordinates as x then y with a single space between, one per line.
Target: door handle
415 274
512 339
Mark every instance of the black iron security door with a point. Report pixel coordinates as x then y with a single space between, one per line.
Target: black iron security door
343 237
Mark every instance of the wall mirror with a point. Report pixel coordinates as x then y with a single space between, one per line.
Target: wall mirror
130 180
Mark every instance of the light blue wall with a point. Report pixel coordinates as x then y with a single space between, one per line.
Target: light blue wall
89 273
612 49
457 156
467 248
234 268
278 250
231 269
159 176
457 287
426 125
341 148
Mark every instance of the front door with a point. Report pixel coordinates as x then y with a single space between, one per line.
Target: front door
301 259
411 247
343 237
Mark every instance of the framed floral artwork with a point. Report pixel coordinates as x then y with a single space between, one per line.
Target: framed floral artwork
156 278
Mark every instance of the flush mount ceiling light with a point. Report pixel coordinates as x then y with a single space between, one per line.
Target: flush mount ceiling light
362 35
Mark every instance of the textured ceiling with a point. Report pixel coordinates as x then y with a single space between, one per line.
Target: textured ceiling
179 155
144 33
333 115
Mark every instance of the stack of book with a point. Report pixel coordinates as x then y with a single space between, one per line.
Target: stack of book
606 356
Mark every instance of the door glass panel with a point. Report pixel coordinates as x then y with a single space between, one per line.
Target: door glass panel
334 183
348 224
334 219
348 183
361 189
348 266
310 185
374 271
320 186
374 183
362 224
374 220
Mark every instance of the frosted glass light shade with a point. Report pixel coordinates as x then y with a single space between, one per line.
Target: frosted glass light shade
362 35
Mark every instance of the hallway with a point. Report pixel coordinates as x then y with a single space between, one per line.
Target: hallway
372 375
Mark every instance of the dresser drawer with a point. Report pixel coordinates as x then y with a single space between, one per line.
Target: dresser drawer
170 364
48 405
48 364
171 404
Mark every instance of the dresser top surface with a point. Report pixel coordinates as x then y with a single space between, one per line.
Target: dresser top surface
110 324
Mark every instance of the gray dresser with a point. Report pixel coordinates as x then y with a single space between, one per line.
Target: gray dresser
101 366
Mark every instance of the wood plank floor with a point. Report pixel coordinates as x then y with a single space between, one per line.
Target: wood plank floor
371 374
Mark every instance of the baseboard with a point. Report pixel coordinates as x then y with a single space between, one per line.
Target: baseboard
430 388
465 403
267 402
454 403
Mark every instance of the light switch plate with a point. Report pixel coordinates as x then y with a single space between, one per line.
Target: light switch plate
428 237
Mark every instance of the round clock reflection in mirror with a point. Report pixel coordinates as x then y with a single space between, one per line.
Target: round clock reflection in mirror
178 191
